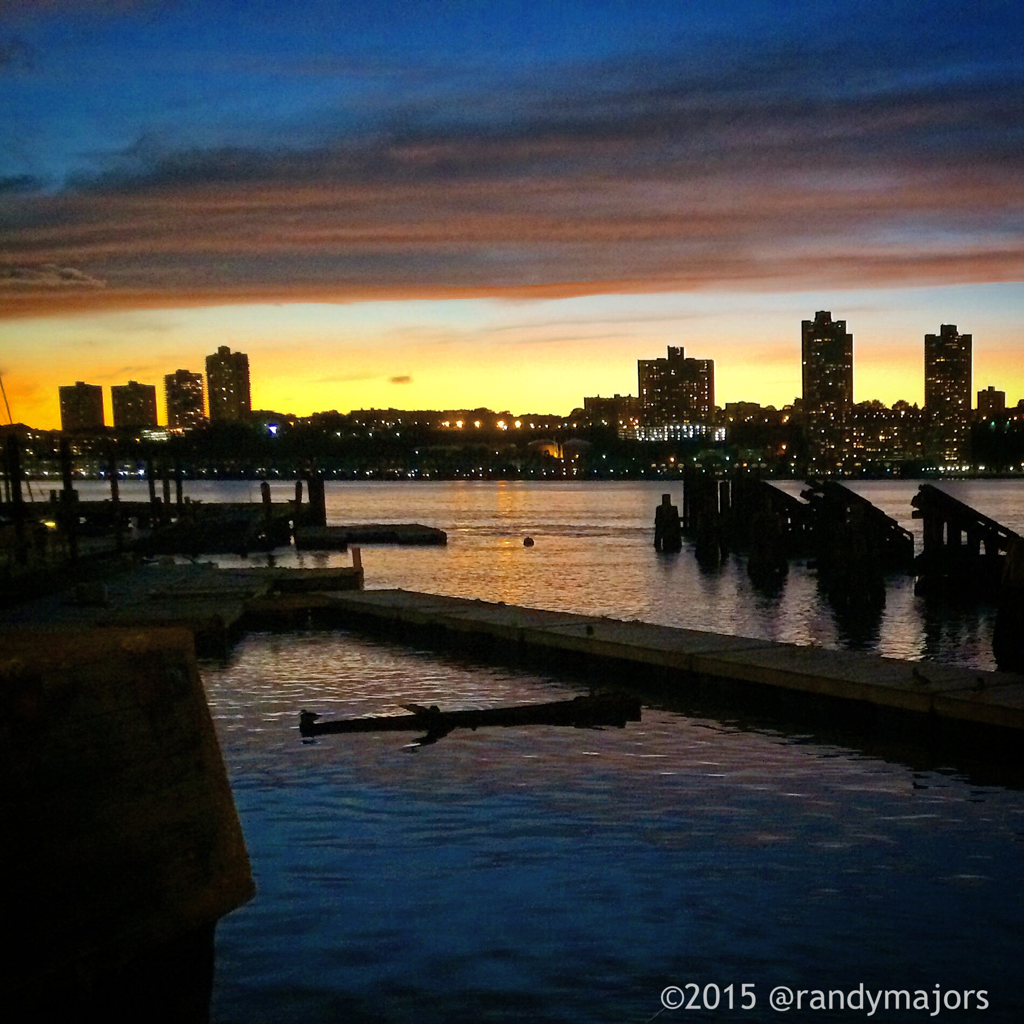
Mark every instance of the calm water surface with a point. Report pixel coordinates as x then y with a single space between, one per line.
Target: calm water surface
594 554
570 875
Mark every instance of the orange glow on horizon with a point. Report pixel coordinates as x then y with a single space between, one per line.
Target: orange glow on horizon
514 357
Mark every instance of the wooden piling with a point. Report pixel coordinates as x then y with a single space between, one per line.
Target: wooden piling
1008 637
668 536
13 449
66 467
68 515
115 492
317 500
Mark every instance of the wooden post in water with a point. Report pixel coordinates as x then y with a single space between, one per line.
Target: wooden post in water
1008 636
66 468
179 498
17 501
165 509
115 492
317 500
69 510
265 495
298 494
689 487
151 480
725 514
667 530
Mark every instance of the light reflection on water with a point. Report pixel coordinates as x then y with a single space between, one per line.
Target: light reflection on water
569 875
594 554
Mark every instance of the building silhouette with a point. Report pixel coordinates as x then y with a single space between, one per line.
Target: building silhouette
947 394
991 403
227 386
826 350
134 404
81 406
184 394
676 395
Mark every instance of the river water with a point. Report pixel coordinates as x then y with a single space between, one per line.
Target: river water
571 875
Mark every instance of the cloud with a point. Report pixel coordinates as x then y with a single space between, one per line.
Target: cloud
402 379
351 378
128 372
45 277
766 172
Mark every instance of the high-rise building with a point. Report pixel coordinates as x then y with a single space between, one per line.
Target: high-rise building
826 351
81 406
621 413
184 393
677 396
947 394
134 404
227 386
991 403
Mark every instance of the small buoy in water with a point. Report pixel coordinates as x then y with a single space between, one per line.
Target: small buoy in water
527 542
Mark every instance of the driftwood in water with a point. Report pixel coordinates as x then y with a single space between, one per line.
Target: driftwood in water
583 712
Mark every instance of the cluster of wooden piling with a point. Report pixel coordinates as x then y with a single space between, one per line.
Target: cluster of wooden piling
62 529
853 544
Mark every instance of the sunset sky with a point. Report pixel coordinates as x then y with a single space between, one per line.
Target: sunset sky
421 204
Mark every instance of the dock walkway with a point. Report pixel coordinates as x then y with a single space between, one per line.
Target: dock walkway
218 605
941 692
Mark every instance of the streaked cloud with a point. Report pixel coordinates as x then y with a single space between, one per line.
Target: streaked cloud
627 177
44 278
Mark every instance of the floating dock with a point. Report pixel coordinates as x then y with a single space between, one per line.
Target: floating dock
337 538
929 691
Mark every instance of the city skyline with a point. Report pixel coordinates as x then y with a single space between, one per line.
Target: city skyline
671 392
455 205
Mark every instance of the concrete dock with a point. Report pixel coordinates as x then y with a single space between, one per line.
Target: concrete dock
928 691
124 848
215 605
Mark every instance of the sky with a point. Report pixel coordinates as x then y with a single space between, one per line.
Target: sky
450 204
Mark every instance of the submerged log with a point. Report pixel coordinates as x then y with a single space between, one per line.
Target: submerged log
580 713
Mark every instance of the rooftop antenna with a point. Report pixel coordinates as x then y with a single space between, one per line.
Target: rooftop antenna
3 391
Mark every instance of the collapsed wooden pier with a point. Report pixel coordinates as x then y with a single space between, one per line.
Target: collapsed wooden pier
964 550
